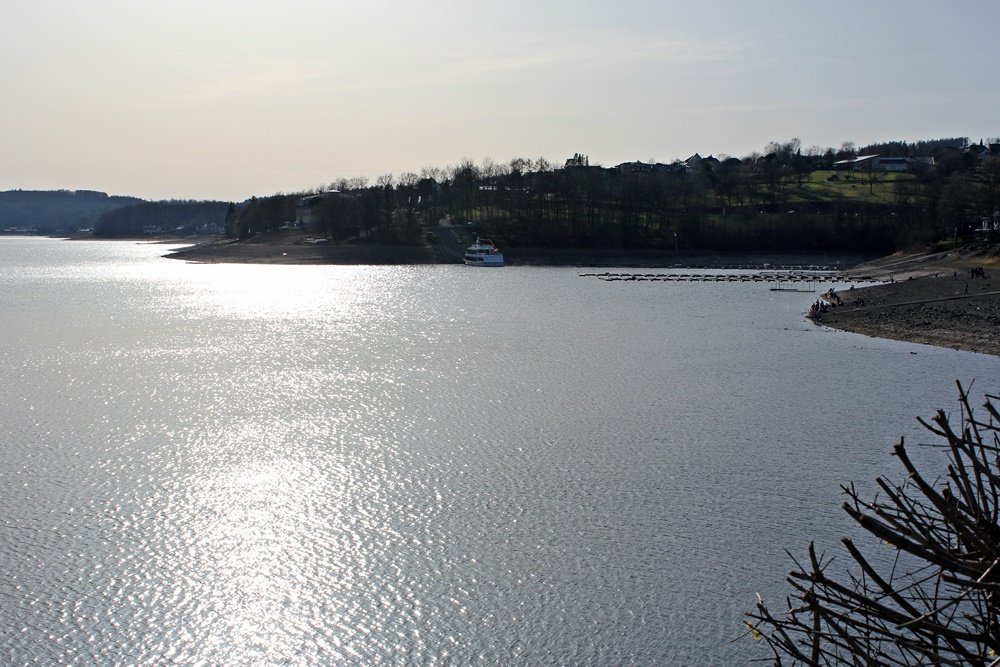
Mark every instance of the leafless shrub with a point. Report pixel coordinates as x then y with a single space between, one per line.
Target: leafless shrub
936 603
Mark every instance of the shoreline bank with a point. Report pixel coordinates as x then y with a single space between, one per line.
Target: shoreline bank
955 310
929 298
294 247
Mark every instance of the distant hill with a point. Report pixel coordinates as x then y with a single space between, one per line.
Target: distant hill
56 211
164 217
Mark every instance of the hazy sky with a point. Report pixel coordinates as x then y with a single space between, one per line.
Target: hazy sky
227 99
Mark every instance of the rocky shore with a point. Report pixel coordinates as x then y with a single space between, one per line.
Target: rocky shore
945 300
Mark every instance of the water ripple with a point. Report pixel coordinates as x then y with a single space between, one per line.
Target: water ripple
415 465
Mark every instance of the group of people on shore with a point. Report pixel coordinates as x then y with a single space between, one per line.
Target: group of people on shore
818 308
830 299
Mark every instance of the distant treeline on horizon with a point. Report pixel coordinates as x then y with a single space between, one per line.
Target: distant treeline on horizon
783 198
74 211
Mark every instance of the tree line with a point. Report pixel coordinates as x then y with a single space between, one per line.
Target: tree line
53 211
762 201
164 217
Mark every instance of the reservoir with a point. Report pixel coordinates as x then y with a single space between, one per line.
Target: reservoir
421 465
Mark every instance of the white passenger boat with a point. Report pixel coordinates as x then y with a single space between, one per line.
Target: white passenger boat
483 253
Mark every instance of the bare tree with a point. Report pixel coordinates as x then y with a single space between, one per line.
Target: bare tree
520 166
408 179
848 149
937 602
434 173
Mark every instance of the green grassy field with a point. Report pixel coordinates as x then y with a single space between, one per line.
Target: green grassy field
826 185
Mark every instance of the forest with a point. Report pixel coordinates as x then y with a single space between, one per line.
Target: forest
182 218
55 211
781 199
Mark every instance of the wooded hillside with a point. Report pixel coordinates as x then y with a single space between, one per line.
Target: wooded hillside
784 199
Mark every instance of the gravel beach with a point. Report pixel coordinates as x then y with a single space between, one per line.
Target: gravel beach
949 309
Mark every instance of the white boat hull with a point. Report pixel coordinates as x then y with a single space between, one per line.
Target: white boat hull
484 260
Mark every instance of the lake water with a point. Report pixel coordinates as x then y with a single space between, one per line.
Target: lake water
429 465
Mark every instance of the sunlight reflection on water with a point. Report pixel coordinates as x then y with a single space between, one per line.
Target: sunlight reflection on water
419 465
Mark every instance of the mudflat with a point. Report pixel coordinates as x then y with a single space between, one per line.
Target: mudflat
294 247
948 308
